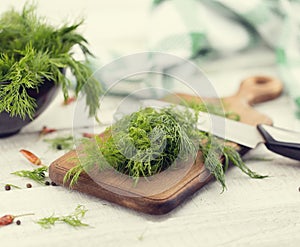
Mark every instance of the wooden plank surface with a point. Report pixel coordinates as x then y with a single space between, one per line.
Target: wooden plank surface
161 193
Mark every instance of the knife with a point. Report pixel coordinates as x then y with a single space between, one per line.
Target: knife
278 140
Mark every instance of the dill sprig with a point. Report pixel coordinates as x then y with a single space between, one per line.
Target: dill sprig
258 158
231 155
31 52
217 156
210 108
38 174
74 219
73 175
61 142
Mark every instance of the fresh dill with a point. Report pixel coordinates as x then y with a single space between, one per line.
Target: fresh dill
38 175
142 144
149 141
258 158
210 108
32 52
73 219
61 142
74 173
213 151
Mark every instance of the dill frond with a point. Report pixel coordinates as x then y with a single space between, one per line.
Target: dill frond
73 175
233 156
61 142
38 175
73 219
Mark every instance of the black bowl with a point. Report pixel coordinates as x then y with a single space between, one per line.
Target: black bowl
43 96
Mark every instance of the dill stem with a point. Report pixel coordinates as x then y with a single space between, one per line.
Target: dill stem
21 215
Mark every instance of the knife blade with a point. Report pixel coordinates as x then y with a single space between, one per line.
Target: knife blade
278 140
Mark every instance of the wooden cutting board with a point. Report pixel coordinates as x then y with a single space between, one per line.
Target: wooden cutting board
161 193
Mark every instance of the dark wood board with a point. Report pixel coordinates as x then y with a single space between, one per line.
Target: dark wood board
161 193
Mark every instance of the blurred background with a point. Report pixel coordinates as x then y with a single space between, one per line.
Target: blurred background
229 40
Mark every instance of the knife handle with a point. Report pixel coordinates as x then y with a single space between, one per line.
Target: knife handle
281 141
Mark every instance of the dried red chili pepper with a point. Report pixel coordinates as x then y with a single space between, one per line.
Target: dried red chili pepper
45 130
8 219
88 135
31 157
69 100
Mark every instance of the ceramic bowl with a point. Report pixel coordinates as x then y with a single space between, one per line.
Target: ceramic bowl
43 96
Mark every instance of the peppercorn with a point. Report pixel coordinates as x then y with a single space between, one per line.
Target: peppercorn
53 184
59 147
7 187
18 222
28 185
47 183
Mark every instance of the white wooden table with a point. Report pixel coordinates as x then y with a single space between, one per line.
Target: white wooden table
250 213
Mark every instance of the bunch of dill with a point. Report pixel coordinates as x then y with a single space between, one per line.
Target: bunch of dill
32 51
149 141
141 144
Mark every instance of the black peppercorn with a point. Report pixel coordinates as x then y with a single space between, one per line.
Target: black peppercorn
18 222
53 184
59 147
47 183
28 185
7 187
